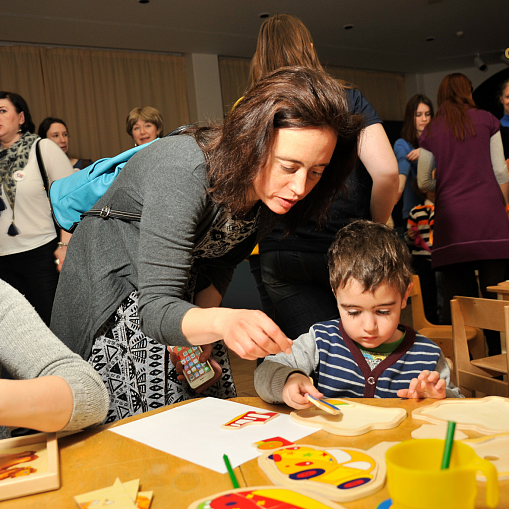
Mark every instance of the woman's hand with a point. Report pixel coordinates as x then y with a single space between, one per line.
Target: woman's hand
413 155
251 334
204 357
59 254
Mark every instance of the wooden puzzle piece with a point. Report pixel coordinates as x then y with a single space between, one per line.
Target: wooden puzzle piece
250 417
338 473
28 465
436 431
271 443
264 496
494 448
131 487
355 418
114 497
485 415
144 499
324 405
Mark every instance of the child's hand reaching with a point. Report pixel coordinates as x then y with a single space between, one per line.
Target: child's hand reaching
296 387
426 385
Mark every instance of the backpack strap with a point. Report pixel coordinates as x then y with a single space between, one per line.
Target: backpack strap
106 212
45 181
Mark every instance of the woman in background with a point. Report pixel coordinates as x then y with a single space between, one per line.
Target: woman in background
144 125
418 113
56 130
29 240
291 271
472 189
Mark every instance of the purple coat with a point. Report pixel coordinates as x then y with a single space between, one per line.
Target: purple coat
470 218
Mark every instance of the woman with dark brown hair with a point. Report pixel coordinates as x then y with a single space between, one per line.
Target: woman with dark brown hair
472 189
204 198
291 271
418 113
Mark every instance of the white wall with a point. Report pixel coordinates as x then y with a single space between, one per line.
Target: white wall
427 84
203 88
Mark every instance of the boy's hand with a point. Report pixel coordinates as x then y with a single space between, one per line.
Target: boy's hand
296 387
426 385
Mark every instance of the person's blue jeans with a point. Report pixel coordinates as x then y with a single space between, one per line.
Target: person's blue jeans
298 286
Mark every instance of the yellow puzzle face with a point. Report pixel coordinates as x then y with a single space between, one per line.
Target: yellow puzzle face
344 469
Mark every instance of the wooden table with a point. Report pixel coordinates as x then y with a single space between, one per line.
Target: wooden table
93 459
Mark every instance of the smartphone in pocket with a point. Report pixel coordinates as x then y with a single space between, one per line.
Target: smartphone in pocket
196 372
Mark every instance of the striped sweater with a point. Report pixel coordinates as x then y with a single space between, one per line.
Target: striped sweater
422 218
340 370
344 372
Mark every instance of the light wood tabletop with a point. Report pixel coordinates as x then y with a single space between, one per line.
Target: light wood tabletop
93 459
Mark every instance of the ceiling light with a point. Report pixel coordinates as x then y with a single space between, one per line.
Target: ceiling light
479 63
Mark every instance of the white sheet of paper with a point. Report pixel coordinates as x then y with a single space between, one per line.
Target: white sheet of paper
193 432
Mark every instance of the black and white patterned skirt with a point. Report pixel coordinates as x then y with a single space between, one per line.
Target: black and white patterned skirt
137 370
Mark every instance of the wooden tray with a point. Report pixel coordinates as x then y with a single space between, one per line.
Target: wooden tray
30 473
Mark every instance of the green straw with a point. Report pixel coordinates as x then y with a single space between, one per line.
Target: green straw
449 440
230 471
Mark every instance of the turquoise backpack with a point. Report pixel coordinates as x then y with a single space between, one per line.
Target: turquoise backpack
73 196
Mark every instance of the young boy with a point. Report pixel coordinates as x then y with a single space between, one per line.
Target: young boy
365 353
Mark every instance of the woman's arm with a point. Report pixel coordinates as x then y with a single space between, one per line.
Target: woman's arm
377 155
44 404
66 391
499 165
249 333
401 151
425 167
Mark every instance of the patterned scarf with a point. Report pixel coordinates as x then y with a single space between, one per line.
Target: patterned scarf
12 160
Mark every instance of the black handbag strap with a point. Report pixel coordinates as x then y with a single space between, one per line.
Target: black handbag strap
45 180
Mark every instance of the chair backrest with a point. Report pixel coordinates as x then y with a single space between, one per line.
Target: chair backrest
418 317
484 314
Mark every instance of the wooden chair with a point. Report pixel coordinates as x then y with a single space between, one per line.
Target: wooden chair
477 374
441 334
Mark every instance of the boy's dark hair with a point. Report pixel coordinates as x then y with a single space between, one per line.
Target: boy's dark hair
372 254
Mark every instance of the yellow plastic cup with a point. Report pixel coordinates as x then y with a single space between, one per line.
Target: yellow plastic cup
416 481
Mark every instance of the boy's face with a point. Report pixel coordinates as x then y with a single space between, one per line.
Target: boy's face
371 318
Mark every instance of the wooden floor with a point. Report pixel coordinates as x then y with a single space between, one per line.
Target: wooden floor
243 375
243 370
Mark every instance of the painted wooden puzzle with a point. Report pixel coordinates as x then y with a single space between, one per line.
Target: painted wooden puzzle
338 473
266 497
355 418
485 415
28 465
248 418
271 443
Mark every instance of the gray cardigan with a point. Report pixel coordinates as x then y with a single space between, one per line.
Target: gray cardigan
28 350
166 183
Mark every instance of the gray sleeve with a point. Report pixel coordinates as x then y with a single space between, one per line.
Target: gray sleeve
176 212
28 349
271 375
442 367
498 160
425 166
